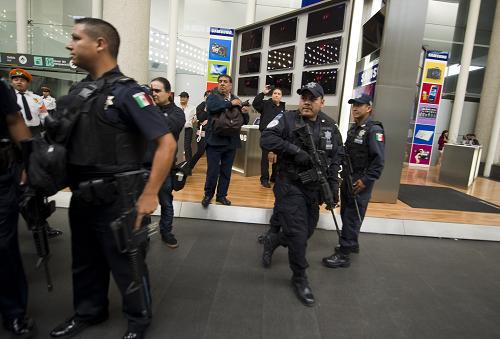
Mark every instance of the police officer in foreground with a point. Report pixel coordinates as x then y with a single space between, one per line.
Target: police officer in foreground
364 148
13 284
296 207
161 89
109 138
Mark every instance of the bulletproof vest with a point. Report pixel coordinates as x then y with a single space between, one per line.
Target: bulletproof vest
357 146
95 142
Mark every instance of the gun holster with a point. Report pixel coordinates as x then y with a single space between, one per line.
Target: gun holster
97 191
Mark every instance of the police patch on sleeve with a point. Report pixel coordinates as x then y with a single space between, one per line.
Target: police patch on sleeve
142 99
379 137
275 121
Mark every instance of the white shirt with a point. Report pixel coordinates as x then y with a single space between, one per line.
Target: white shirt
37 108
189 113
50 102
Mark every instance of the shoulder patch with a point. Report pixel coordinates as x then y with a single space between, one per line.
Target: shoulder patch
142 99
275 121
379 137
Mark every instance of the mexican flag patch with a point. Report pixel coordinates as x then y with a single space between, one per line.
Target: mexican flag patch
379 137
142 99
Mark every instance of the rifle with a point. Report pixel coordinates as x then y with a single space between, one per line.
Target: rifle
317 173
130 241
36 209
348 178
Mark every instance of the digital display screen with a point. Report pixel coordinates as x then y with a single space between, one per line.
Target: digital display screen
283 81
282 32
372 34
322 52
251 40
327 78
217 69
250 63
281 58
248 86
325 21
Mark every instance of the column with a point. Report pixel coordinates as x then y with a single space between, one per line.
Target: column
458 104
172 42
22 26
131 19
97 9
251 8
488 107
350 68
493 145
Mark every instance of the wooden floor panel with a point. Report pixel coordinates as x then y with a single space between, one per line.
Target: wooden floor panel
247 191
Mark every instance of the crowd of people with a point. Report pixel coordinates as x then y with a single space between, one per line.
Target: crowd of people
121 129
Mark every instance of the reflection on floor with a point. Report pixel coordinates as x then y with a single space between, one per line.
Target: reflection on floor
213 287
247 191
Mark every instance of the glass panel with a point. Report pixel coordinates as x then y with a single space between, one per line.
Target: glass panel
8 36
50 40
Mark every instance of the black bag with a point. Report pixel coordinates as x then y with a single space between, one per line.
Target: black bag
47 170
179 175
228 122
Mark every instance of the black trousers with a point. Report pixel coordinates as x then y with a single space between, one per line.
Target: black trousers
220 161
13 285
297 214
95 255
264 168
188 139
351 224
201 146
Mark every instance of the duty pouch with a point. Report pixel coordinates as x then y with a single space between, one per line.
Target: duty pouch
309 177
98 192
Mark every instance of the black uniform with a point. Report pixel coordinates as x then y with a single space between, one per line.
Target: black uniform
109 139
365 147
268 111
296 207
13 285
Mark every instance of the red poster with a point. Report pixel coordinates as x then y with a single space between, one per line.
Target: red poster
430 94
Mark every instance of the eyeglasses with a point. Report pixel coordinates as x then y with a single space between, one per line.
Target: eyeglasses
155 90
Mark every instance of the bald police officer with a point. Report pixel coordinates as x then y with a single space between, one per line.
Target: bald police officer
364 148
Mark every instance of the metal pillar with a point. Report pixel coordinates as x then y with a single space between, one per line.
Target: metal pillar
172 42
22 26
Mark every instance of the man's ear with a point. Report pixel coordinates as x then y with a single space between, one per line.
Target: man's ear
102 44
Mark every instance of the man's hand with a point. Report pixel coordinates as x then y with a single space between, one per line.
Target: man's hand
266 90
358 186
302 158
272 157
146 205
236 102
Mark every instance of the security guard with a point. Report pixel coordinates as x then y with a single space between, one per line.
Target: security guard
364 148
32 106
13 285
108 138
296 207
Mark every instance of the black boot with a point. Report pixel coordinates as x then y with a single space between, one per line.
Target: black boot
303 291
22 327
351 249
74 325
337 259
133 334
271 243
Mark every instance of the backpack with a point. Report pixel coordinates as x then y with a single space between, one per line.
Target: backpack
228 123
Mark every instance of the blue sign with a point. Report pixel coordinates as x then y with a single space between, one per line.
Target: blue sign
309 2
368 76
424 134
222 31
219 49
443 56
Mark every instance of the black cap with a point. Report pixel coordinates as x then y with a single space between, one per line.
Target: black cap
362 99
312 87
184 94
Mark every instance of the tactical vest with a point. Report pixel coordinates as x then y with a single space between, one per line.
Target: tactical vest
357 146
105 146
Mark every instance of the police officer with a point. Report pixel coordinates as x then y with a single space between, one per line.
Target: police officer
161 89
364 148
296 207
108 138
13 285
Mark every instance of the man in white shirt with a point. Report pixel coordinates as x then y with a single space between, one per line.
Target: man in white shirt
50 101
32 106
190 113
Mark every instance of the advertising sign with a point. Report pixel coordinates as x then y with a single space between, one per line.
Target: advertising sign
37 61
428 108
366 80
219 54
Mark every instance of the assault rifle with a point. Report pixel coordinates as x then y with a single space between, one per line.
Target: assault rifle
133 242
318 173
347 176
36 209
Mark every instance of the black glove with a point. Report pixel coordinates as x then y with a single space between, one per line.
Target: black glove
302 158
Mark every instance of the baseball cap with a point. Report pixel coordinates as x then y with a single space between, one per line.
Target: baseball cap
20 73
312 87
362 99
45 88
184 94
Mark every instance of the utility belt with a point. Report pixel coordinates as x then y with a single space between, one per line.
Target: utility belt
7 155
